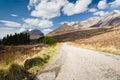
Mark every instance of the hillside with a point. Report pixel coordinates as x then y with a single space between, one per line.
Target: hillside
94 33
103 39
111 20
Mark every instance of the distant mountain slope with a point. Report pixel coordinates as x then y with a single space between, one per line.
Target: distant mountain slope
112 19
35 34
65 28
89 22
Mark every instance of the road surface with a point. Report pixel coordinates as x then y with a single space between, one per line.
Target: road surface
81 64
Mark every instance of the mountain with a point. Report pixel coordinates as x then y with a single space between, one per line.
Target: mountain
112 19
34 34
89 22
65 28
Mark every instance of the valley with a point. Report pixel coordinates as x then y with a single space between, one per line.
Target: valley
86 50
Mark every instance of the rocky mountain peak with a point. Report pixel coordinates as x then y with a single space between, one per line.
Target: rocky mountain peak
114 12
34 34
112 19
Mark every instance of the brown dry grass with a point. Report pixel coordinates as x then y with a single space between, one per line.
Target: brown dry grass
82 34
102 39
106 42
17 54
25 61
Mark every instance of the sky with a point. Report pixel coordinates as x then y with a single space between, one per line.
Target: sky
46 15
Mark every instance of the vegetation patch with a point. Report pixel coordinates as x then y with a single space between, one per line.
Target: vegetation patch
47 40
29 63
14 72
16 39
30 66
106 42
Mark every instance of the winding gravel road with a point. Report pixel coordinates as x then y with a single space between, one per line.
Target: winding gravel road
81 64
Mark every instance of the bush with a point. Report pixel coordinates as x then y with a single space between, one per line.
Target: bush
46 57
15 72
29 63
3 74
47 40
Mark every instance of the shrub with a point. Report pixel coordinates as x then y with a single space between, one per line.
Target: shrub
46 57
15 72
3 74
47 40
29 63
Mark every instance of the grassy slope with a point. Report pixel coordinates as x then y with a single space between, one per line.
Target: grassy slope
102 39
17 54
106 42
27 63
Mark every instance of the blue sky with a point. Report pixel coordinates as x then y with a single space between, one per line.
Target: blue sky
47 15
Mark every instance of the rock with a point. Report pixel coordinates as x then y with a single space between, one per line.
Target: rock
46 76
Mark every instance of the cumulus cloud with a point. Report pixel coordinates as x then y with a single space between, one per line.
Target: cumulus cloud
46 9
31 21
45 31
45 23
22 29
101 13
54 7
102 4
115 3
92 10
5 31
10 23
37 23
33 3
14 15
69 23
79 7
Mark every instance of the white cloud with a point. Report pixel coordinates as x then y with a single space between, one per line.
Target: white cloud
46 9
45 23
115 3
10 23
31 22
92 10
5 31
14 15
22 29
45 31
100 13
33 3
69 23
37 23
79 7
102 4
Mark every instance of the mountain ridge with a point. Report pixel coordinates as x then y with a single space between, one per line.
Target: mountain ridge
34 34
111 20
